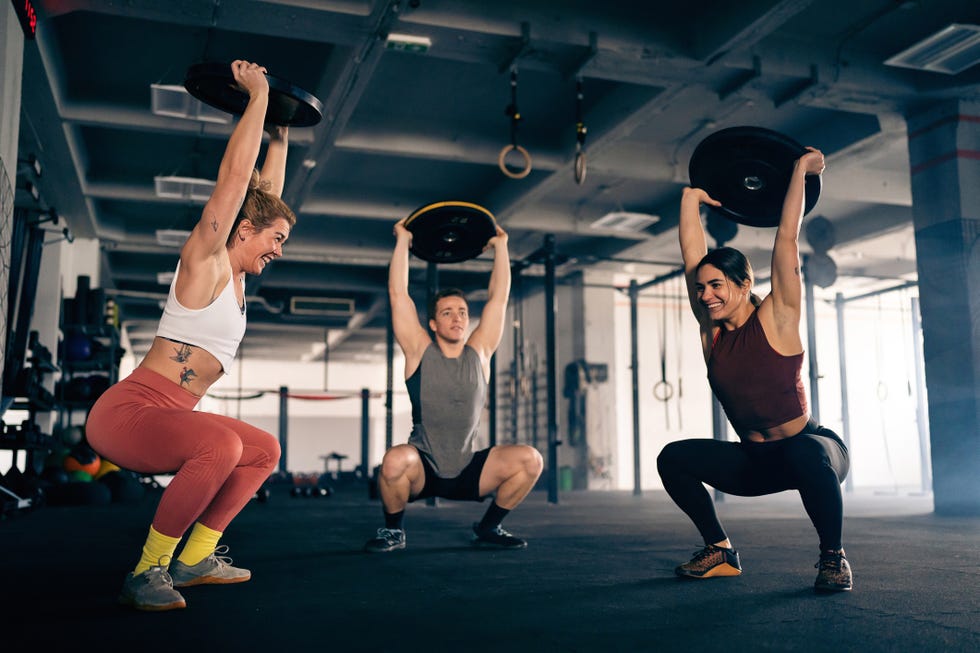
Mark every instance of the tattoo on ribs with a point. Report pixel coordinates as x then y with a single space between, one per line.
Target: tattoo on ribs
186 376
183 354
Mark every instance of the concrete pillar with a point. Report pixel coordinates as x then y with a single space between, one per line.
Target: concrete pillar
12 58
944 153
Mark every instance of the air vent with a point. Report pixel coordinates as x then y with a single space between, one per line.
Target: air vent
176 102
326 306
950 51
625 221
183 188
408 43
171 237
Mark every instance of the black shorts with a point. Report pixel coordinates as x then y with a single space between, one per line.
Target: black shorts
465 487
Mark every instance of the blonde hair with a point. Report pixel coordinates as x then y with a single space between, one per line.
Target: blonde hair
261 207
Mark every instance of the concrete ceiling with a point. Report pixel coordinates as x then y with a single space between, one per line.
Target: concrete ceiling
402 129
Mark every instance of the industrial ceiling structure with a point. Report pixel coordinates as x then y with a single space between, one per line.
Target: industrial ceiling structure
419 99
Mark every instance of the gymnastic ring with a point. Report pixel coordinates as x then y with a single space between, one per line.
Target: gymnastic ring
663 390
580 167
507 149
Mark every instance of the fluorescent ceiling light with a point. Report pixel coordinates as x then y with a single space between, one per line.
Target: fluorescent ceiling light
408 43
183 188
625 221
951 50
165 278
171 237
175 102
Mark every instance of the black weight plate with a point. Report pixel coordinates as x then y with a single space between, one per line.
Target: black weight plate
748 169
214 84
449 232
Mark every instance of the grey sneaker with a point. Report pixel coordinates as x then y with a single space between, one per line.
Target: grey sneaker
388 539
216 569
151 590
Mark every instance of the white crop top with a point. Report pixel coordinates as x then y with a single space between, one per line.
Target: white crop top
218 328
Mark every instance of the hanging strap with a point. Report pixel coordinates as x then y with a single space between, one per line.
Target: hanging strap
580 132
515 119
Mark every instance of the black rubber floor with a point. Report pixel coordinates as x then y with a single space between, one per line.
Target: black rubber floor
597 576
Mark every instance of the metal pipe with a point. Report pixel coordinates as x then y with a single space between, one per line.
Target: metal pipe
550 312
283 426
365 430
634 292
811 339
845 414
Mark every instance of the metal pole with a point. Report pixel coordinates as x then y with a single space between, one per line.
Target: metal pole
432 288
845 414
493 401
921 410
365 430
811 339
550 312
389 392
635 371
516 366
283 425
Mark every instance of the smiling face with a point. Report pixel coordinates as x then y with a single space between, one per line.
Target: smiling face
259 248
722 297
452 319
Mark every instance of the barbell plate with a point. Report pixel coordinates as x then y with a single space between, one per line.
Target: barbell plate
214 84
449 232
748 170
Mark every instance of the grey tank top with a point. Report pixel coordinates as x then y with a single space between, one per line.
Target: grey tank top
447 396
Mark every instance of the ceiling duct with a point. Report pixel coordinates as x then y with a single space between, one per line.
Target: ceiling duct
183 188
176 102
951 50
322 306
172 237
625 221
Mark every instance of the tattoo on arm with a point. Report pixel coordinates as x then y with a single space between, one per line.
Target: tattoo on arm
183 354
214 223
186 376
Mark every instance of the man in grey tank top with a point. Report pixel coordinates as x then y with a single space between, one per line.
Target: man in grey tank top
446 378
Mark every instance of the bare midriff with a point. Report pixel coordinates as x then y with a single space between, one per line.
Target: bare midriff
781 432
190 367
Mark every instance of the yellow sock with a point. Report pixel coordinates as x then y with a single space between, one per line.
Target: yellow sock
157 551
200 544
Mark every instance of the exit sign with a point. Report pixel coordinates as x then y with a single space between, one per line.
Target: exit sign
27 16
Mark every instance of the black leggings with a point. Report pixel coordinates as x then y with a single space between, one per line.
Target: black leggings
815 462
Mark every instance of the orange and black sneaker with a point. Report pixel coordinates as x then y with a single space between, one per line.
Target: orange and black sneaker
833 572
710 562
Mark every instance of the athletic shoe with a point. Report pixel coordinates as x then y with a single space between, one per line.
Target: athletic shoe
216 569
496 538
711 561
151 590
834 572
388 539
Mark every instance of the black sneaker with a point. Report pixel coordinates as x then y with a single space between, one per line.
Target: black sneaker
496 538
388 539
834 572
710 562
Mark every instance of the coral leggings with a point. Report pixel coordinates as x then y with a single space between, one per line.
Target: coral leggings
147 423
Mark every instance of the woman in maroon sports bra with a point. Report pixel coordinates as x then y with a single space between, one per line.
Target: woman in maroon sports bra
754 354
